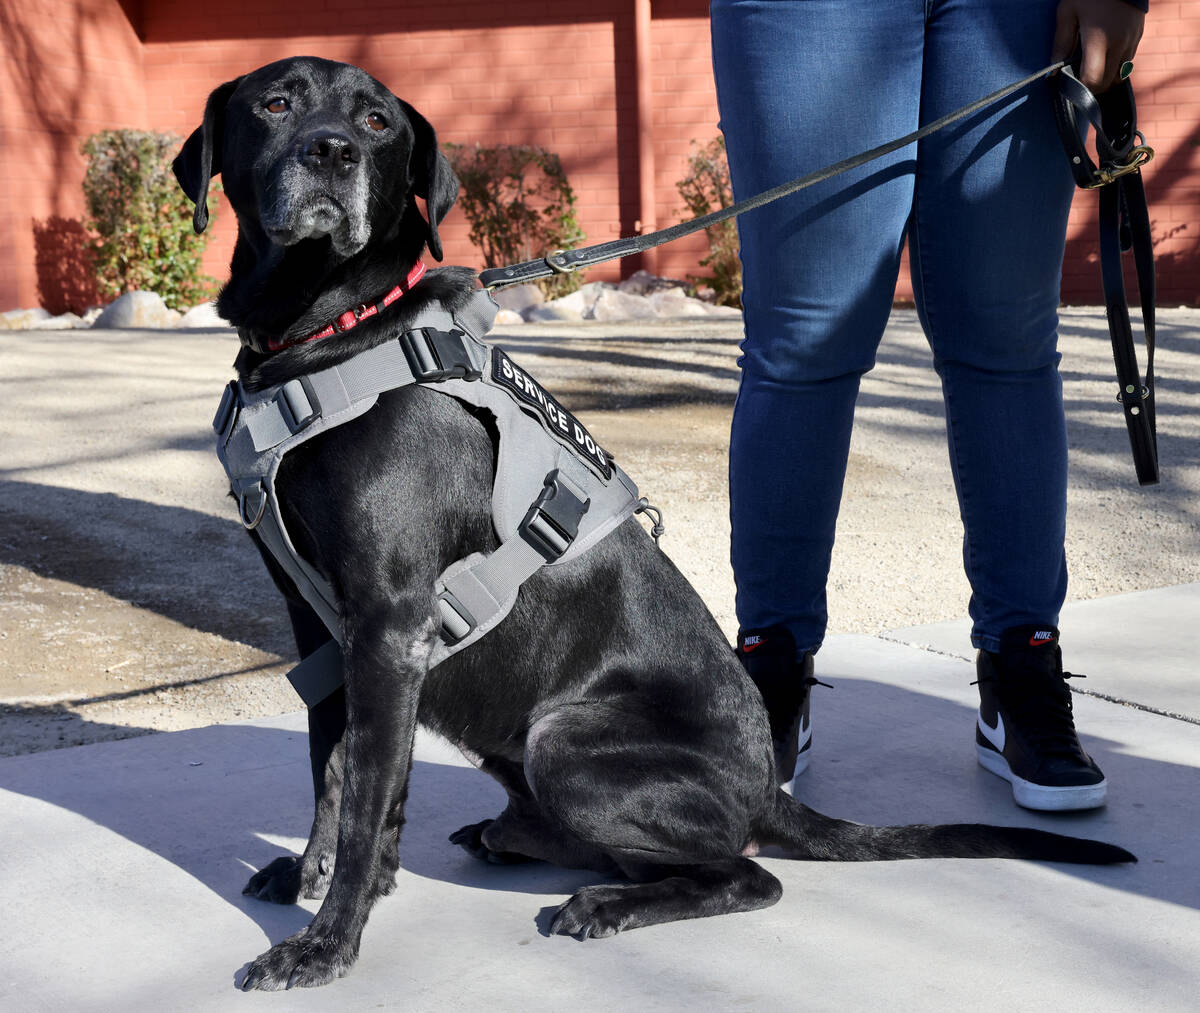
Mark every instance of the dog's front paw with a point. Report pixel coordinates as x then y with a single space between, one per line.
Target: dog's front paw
305 960
593 913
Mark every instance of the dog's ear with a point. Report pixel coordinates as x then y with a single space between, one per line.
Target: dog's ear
194 165
433 179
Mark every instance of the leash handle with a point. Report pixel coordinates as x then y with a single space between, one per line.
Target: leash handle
1124 225
568 261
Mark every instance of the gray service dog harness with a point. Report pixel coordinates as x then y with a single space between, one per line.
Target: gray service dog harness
556 492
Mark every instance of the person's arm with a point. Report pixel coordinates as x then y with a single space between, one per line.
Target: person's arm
1109 32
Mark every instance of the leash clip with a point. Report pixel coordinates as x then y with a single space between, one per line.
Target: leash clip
1138 156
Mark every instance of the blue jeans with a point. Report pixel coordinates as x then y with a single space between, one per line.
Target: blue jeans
984 203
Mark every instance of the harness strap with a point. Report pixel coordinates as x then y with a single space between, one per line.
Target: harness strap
427 355
473 596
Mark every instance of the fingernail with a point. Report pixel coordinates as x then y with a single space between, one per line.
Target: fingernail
1126 69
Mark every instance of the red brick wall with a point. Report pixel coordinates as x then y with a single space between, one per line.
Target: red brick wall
685 110
530 71
70 68
536 79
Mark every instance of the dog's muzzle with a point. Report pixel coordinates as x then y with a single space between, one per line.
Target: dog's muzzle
320 189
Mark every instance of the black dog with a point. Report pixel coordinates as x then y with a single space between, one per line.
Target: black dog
607 703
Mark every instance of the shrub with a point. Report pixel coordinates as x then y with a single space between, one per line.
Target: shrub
706 188
519 205
140 220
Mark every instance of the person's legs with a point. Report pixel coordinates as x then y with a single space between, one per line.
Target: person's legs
802 83
988 233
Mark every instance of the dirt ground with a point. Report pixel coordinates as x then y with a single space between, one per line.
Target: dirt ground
131 602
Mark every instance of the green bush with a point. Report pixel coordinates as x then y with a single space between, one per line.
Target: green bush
519 205
140 221
706 188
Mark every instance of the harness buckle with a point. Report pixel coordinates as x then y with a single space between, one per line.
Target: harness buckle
226 411
298 404
457 620
552 522
435 355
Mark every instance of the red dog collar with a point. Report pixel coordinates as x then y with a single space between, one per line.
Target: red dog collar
352 318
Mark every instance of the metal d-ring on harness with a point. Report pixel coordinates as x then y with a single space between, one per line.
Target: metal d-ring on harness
1112 116
555 494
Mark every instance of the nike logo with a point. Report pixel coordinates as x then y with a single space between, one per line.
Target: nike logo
1040 638
994 735
752 643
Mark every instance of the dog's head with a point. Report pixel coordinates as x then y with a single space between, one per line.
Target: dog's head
309 149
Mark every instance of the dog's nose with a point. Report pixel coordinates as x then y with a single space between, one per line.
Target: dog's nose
330 154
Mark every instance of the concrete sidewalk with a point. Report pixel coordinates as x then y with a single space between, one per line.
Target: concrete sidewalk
123 863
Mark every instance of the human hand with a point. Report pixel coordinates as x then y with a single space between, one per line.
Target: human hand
1108 31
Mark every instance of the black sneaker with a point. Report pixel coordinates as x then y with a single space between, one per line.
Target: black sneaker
769 657
1025 732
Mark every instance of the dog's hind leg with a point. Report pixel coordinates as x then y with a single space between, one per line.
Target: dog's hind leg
521 833
668 800
690 891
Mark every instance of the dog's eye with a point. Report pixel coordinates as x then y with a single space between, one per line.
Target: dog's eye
277 105
376 122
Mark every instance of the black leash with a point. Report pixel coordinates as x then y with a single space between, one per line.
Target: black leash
567 261
1124 224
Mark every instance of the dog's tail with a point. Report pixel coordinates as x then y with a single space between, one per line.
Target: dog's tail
807 834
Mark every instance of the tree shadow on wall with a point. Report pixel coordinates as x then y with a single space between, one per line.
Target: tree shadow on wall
66 277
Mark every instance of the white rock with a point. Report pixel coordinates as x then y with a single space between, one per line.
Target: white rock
645 283
724 311
615 305
557 310
22 320
506 317
519 298
573 306
62 322
675 302
203 318
137 309
589 294
593 289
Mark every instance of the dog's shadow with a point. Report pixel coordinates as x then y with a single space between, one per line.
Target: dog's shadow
223 801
